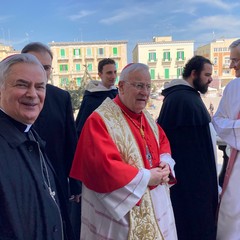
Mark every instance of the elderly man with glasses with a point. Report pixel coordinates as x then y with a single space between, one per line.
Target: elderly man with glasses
123 159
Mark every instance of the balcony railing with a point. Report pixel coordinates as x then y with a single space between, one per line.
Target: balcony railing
152 61
63 58
166 61
180 59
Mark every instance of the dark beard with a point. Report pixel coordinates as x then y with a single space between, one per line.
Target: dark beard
199 86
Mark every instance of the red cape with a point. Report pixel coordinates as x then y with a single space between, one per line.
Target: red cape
98 163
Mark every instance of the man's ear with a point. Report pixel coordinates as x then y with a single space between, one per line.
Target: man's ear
193 74
120 86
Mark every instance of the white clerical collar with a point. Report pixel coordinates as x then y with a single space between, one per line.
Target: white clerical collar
28 127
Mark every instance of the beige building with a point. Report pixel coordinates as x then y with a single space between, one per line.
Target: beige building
218 52
165 57
6 50
71 59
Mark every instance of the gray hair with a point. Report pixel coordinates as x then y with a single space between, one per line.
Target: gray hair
7 63
130 68
37 47
234 44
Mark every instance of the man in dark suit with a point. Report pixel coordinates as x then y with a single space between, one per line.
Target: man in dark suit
32 205
55 123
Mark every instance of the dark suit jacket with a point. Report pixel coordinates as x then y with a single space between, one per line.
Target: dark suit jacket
56 126
27 211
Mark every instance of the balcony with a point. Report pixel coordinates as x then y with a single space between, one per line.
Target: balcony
89 57
77 57
116 56
180 61
101 56
226 65
63 58
166 61
152 61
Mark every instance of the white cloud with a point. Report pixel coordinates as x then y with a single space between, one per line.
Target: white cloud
218 22
5 18
186 10
223 26
217 3
126 14
81 14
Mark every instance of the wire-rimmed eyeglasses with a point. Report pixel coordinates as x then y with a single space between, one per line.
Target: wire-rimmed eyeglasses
140 86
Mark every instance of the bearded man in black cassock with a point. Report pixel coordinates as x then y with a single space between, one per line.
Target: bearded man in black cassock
186 122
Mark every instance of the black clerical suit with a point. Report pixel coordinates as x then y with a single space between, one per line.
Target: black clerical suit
27 209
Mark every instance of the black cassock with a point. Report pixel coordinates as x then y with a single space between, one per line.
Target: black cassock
27 210
185 120
91 101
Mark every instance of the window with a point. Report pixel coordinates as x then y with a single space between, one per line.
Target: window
63 68
76 52
62 53
100 51
166 56
117 80
179 72
166 73
215 61
115 51
116 64
78 67
64 81
89 52
152 74
78 81
227 60
180 55
152 57
226 72
90 67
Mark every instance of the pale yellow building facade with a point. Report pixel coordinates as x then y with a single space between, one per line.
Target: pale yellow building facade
218 52
6 50
165 57
71 59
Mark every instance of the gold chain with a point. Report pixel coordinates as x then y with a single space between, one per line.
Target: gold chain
148 154
140 128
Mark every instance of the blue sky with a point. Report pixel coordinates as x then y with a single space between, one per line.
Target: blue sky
133 20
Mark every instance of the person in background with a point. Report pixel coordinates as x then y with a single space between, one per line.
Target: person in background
56 126
226 122
211 109
186 122
97 91
32 205
123 159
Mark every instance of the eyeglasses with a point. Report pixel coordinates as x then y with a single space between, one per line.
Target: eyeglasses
140 86
47 67
235 60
